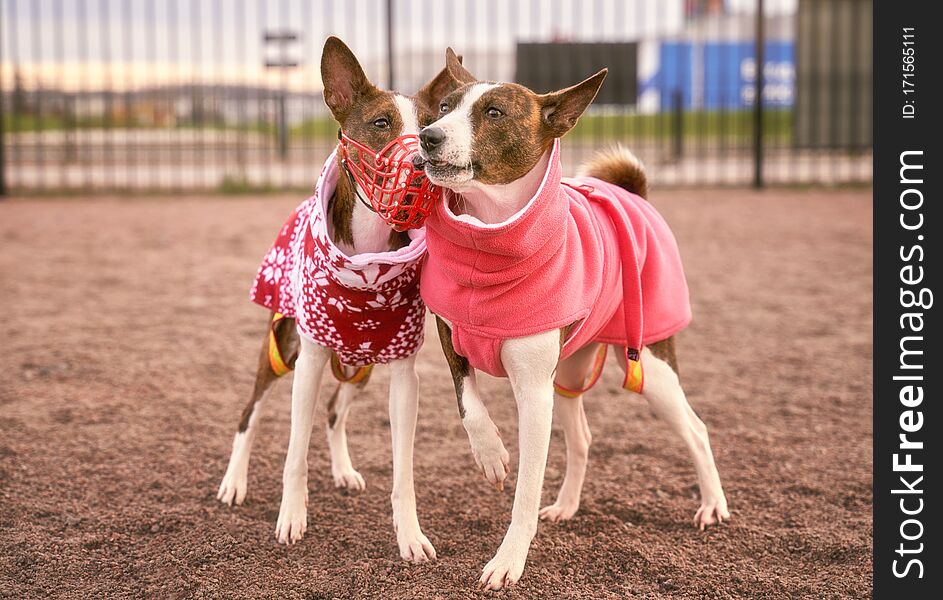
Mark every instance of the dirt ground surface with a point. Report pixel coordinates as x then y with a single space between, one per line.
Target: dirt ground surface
128 352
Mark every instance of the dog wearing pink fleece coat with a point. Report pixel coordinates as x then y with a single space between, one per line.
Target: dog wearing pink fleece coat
531 276
603 254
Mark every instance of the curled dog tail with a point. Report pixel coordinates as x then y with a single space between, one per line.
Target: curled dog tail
619 166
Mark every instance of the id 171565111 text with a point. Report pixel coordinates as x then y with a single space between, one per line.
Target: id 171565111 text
908 73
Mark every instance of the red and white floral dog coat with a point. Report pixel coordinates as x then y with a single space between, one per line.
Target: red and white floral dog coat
366 307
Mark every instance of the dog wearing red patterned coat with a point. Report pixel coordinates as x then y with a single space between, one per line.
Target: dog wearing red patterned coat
343 288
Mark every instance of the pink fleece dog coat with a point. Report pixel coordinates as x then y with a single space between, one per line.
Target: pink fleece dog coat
366 307
581 251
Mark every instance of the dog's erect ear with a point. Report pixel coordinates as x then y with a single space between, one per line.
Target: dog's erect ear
560 110
441 86
343 77
453 63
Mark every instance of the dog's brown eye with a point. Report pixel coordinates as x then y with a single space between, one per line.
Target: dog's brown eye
381 123
494 113
444 107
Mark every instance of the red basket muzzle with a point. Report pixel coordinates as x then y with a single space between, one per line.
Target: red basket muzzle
397 191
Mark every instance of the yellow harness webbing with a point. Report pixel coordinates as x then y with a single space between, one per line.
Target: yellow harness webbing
338 370
274 355
280 367
593 376
634 376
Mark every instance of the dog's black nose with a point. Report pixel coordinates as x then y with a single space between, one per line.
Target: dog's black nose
430 137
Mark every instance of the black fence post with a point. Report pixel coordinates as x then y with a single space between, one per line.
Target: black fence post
390 60
677 104
3 162
283 62
758 98
282 126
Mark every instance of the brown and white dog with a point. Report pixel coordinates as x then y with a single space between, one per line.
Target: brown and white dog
374 117
490 146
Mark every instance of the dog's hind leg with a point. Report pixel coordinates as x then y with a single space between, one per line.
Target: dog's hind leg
664 394
293 513
235 482
571 373
338 407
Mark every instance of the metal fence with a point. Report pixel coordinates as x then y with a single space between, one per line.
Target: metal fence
213 94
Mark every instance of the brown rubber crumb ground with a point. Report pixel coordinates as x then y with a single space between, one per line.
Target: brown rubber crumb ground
128 348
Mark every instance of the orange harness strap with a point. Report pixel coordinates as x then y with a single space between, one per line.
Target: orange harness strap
634 376
338 370
274 355
280 367
593 376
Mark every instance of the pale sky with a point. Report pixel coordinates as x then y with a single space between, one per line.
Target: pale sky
86 44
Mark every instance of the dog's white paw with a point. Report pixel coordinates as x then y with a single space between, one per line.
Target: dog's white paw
233 487
349 479
505 569
490 454
559 511
414 546
713 511
292 516
232 490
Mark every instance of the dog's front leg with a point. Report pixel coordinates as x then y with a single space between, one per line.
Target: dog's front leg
530 363
293 514
490 454
484 437
404 407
